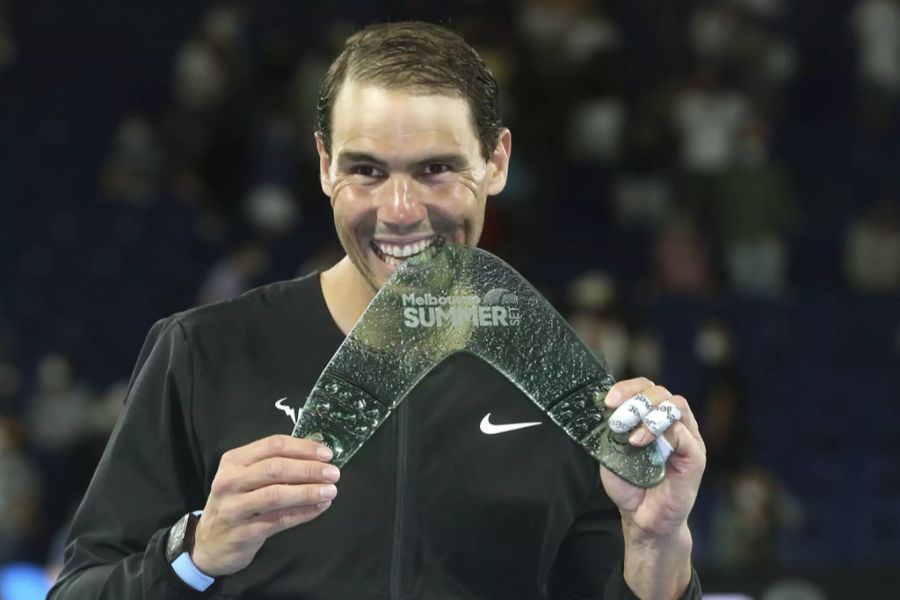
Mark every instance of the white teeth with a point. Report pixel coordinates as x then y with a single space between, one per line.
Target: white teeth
393 254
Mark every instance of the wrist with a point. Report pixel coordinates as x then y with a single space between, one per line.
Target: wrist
679 540
202 561
657 566
180 553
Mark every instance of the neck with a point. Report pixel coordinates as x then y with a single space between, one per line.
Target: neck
347 293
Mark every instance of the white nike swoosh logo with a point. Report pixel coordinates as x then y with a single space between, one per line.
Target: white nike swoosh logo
289 411
491 429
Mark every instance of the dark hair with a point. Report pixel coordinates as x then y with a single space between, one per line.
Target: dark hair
419 57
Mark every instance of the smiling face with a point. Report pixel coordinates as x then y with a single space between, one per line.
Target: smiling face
405 170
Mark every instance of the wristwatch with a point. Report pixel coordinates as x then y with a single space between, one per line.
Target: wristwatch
181 537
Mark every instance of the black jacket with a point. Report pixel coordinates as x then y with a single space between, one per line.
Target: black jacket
430 507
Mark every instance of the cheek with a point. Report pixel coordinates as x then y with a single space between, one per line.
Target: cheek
350 204
460 197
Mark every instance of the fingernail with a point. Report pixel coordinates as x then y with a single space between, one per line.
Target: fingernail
639 437
611 397
324 453
331 473
328 491
323 505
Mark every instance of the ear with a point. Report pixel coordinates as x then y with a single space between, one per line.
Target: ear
498 166
324 165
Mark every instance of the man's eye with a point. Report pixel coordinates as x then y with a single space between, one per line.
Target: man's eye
436 169
366 171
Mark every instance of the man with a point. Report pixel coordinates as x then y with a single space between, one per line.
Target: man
410 146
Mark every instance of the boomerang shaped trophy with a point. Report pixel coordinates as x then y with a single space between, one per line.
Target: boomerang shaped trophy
457 298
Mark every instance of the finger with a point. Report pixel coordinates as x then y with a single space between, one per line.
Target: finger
689 420
278 497
687 452
279 520
630 413
284 470
644 435
661 418
277 445
623 390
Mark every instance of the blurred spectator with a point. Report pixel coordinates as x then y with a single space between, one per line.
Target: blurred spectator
708 118
564 34
272 210
59 412
642 201
596 128
720 409
596 319
748 524
725 435
200 75
872 250
876 24
713 31
207 129
793 589
234 274
132 170
764 59
682 262
714 346
754 212
646 355
20 494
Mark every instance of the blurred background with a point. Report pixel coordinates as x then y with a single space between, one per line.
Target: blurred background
707 189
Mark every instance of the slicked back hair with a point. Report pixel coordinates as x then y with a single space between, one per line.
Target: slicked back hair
421 58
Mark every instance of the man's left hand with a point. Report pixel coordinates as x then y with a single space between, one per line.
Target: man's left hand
654 520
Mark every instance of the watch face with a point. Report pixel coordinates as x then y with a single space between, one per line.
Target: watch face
176 539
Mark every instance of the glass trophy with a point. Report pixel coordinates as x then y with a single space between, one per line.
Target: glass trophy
457 298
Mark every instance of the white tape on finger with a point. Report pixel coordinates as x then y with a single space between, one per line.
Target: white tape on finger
665 448
661 418
630 413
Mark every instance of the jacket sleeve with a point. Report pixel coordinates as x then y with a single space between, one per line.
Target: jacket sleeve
589 563
150 474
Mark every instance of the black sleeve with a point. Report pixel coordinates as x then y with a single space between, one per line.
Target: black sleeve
148 477
589 564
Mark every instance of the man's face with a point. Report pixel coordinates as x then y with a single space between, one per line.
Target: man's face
404 171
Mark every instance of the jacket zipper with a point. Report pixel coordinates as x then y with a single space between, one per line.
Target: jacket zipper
397 542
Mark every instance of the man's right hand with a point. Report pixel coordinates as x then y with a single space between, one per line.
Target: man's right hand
259 490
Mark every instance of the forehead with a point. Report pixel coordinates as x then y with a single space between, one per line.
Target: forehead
368 117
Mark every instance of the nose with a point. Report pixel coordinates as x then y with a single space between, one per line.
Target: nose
400 205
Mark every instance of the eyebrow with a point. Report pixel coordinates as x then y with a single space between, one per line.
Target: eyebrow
345 159
349 158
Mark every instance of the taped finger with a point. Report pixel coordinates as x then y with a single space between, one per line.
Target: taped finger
665 448
661 418
630 413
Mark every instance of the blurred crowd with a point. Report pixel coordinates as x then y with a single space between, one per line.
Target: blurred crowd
707 189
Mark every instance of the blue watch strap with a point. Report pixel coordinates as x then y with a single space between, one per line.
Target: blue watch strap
189 573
